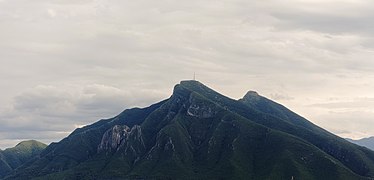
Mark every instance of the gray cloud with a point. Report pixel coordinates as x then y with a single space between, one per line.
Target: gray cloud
67 63
278 96
356 103
49 112
328 17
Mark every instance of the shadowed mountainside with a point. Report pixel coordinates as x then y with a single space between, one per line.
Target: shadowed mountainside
199 133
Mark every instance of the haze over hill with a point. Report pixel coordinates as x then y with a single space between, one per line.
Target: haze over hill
199 133
367 142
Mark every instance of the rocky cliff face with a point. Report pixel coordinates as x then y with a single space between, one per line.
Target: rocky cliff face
200 109
122 138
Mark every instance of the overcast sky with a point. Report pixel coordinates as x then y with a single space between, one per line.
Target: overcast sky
68 63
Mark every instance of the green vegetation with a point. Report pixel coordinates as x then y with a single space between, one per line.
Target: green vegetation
12 158
200 134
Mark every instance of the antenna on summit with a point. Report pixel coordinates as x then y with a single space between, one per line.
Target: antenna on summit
194 76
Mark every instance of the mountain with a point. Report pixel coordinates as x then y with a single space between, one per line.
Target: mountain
366 142
200 134
12 158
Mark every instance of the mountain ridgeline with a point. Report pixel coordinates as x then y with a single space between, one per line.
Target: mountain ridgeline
23 152
200 134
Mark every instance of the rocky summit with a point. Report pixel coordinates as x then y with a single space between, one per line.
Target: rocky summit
198 133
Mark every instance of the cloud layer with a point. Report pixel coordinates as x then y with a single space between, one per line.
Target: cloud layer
69 63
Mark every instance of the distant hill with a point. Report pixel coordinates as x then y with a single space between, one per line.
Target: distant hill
198 133
367 142
12 158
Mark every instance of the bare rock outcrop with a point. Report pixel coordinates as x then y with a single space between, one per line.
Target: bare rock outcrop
122 138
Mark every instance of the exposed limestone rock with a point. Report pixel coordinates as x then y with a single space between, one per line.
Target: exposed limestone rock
122 137
200 109
133 143
113 137
163 148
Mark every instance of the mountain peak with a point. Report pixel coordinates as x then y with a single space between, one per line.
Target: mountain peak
12 158
189 82
190 85
251 95
30 143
